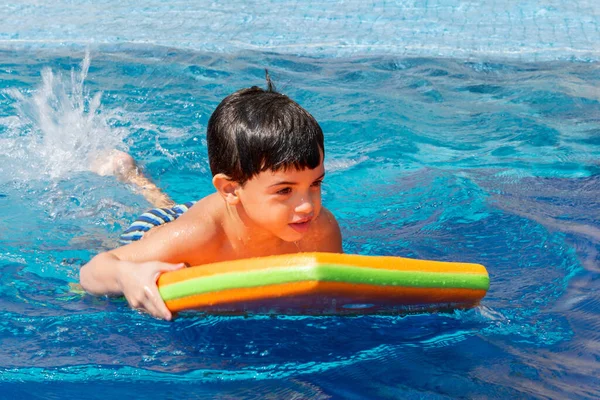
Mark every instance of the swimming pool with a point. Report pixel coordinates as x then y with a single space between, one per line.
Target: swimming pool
456 152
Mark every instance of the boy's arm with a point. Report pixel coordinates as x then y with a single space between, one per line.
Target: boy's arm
132 270
107 274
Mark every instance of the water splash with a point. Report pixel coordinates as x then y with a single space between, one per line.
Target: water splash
61 127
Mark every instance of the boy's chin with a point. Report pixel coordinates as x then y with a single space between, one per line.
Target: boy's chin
291 235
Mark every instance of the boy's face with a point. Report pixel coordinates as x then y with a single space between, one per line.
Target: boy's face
284 202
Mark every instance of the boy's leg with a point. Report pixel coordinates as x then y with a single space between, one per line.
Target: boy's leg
124 168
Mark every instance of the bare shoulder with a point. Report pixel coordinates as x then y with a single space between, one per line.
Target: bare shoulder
194 238
325 235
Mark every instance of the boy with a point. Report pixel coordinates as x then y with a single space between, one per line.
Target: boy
266 156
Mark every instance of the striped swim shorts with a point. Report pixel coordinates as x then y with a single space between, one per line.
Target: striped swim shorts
152 218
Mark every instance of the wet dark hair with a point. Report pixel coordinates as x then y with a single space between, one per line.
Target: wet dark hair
255 130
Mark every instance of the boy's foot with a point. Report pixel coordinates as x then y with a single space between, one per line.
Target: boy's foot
117 163
123 167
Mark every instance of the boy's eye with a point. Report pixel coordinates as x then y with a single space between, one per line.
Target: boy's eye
317 183
284 191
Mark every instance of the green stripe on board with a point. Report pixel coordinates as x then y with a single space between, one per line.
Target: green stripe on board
323 273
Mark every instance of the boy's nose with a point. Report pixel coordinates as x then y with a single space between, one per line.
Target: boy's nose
306 206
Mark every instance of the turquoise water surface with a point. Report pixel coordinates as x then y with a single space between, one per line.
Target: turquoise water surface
457 155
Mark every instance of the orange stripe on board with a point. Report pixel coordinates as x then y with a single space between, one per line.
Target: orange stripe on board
312 259
357 293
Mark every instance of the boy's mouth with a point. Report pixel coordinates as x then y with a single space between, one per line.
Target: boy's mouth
301 226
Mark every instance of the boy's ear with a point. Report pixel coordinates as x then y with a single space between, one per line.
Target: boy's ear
227 188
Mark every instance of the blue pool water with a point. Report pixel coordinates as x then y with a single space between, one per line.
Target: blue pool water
452 151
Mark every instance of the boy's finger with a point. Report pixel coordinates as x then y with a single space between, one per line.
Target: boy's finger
164 311
174 267
168 267
149 303
150 309
161 310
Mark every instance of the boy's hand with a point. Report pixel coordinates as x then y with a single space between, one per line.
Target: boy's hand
138 284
